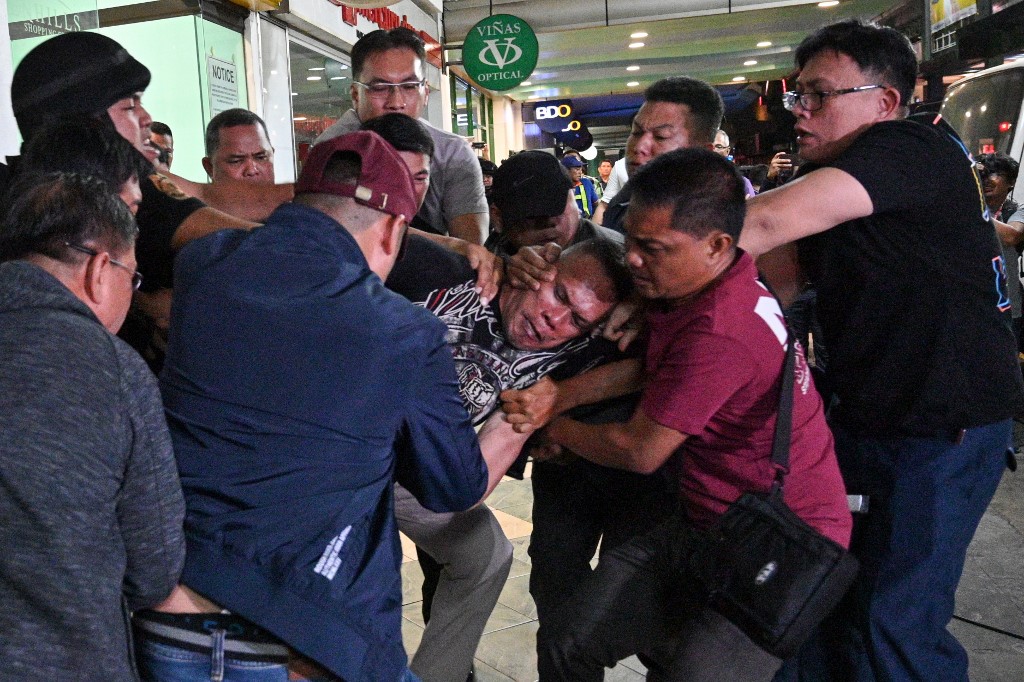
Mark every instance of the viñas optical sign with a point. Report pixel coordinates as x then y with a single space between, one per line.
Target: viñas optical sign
500 52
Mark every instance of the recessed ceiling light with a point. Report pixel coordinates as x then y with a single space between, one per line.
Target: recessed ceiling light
314 78
299 118
527 83
293 94
636 45
632 84
828 3
765 43
338 78
738 79
633 68
638 34
316 68
750 62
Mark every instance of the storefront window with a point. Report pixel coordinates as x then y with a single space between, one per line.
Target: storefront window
320 92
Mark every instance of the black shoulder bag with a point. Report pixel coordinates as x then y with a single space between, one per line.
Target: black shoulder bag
765 569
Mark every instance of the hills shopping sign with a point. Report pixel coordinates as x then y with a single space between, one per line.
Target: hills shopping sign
500 52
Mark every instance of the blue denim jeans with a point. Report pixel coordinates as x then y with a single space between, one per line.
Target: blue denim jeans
927 496
159 662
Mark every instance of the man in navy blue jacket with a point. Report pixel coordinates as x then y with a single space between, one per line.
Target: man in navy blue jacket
298 389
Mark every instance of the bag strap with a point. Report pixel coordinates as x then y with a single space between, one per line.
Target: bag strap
784 420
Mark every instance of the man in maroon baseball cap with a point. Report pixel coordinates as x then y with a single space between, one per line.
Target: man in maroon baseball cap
299 389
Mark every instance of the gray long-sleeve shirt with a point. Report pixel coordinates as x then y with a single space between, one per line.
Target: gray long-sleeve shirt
90 503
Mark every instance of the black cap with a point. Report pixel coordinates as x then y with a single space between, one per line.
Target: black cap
531 184
73 73
487 167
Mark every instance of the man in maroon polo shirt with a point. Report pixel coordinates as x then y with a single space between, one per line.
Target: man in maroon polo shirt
712 378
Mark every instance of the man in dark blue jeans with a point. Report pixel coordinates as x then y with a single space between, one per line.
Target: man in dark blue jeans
922 360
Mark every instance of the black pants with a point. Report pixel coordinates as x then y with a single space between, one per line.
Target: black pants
641 599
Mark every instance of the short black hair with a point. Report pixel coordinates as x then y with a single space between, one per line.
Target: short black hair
86 146
611 256
706 106
160 128
46 212
1000 164
230 119
382 41
881 52
402 132
705 191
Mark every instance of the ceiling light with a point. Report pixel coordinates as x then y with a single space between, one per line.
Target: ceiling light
338 78
299 118
314 78
316 68
750 62
765 43
632 84
828 3
526 83
639 34
633 68
739 79
293 94
633 46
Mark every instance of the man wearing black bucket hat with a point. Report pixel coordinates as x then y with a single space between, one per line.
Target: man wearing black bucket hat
84 74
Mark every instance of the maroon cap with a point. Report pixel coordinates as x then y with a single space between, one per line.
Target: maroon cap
385 183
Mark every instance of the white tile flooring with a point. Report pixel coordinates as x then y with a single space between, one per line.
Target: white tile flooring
506 650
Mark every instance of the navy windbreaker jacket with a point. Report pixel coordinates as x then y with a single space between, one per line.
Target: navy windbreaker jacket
297 390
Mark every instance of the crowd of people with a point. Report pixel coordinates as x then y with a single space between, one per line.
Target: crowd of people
221 402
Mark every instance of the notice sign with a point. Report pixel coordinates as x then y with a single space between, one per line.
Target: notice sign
500 52
223 80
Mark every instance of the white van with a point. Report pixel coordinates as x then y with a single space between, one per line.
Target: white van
987 109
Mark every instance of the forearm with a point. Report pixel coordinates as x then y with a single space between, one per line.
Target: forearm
601 383
612 445
470 226
206 221
500 446
1010 234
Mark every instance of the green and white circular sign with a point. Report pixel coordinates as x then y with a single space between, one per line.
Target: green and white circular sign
500 52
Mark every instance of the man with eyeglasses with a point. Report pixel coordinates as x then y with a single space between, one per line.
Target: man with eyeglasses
389 77
91 511
912 299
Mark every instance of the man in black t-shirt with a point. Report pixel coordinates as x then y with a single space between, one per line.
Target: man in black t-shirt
88 75
912 299
509 342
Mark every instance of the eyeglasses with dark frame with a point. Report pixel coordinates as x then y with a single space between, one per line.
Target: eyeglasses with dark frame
813 99
136 275
407 89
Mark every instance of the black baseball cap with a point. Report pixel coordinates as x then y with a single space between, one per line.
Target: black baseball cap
530 184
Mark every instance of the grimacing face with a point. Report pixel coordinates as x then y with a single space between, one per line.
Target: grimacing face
571 306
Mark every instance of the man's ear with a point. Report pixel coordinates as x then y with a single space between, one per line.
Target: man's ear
353 93
888 102
96 279
495 218
392 234
719 244
208 166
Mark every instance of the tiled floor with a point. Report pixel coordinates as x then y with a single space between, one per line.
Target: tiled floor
990 592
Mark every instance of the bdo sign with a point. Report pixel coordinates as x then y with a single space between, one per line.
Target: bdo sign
500 52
